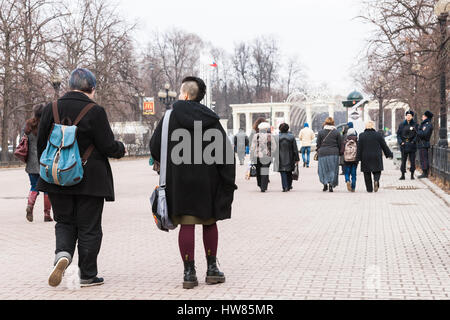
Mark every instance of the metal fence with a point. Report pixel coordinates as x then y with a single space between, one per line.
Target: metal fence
440 163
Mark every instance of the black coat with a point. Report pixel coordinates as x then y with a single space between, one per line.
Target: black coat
371 145
424 134
287 152
202 190
94 129
407 136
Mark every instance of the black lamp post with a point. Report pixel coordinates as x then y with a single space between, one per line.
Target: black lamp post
56 83
166 96
442 9
380 83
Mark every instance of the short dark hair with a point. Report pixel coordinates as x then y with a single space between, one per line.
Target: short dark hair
82 80
284 127
201 88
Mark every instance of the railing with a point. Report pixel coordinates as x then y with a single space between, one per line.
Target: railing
440 164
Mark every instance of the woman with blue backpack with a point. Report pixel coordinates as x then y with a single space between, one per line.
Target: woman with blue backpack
75 141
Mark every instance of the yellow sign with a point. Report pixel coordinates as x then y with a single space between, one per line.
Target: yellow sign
149 106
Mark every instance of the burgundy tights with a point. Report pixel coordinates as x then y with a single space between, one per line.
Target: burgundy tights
186 240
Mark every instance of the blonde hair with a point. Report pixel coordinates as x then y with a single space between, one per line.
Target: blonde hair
370 124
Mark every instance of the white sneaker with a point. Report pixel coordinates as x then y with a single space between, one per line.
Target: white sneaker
57 274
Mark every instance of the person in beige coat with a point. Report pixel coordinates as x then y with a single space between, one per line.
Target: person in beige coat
306 137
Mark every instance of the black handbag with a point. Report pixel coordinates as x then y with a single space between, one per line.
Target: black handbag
253 171
295 173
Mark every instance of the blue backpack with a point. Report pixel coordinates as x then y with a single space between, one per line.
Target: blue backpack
60 163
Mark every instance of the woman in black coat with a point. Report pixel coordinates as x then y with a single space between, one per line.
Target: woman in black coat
197 191
287 156
78 209
371 146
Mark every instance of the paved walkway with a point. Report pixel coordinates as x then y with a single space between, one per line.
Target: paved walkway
305 244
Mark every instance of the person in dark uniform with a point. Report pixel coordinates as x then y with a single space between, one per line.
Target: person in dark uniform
78 209
423 142
407 140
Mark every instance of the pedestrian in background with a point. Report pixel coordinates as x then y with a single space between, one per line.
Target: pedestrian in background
424 134
197 193
262 148
371 146
306 137
407 140
78 209
329 142
341 157
287 156
240 145
32 165
349 149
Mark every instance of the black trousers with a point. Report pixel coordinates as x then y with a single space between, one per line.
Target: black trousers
368 179
262 174
424 162
412 159
78 218
286 179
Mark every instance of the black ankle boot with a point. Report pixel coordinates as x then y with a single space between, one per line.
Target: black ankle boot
330 188
190 277
424 174
325 187
402 177
412 176
213 275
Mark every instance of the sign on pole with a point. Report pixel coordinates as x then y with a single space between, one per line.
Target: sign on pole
149 106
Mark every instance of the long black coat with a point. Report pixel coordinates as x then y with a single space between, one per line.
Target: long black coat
94 129
407 136
202 190
371 146
424 134
287 152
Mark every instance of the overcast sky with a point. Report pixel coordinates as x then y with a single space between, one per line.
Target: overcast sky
323 33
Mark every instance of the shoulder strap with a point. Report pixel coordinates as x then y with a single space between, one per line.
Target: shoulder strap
328 135
91 148
164 144
83 113
55 112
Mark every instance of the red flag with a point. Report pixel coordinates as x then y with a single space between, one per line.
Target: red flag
214 65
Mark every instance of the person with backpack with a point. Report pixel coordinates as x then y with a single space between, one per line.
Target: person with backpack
349 150
198 191
32 165
241 143
371 146
74 128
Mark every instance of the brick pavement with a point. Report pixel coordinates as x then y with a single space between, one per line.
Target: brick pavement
305 244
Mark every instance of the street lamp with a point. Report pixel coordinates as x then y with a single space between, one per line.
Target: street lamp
380 85
56 83
442 10
166 96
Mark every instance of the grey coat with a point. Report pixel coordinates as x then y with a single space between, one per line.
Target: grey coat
329 142
32 160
